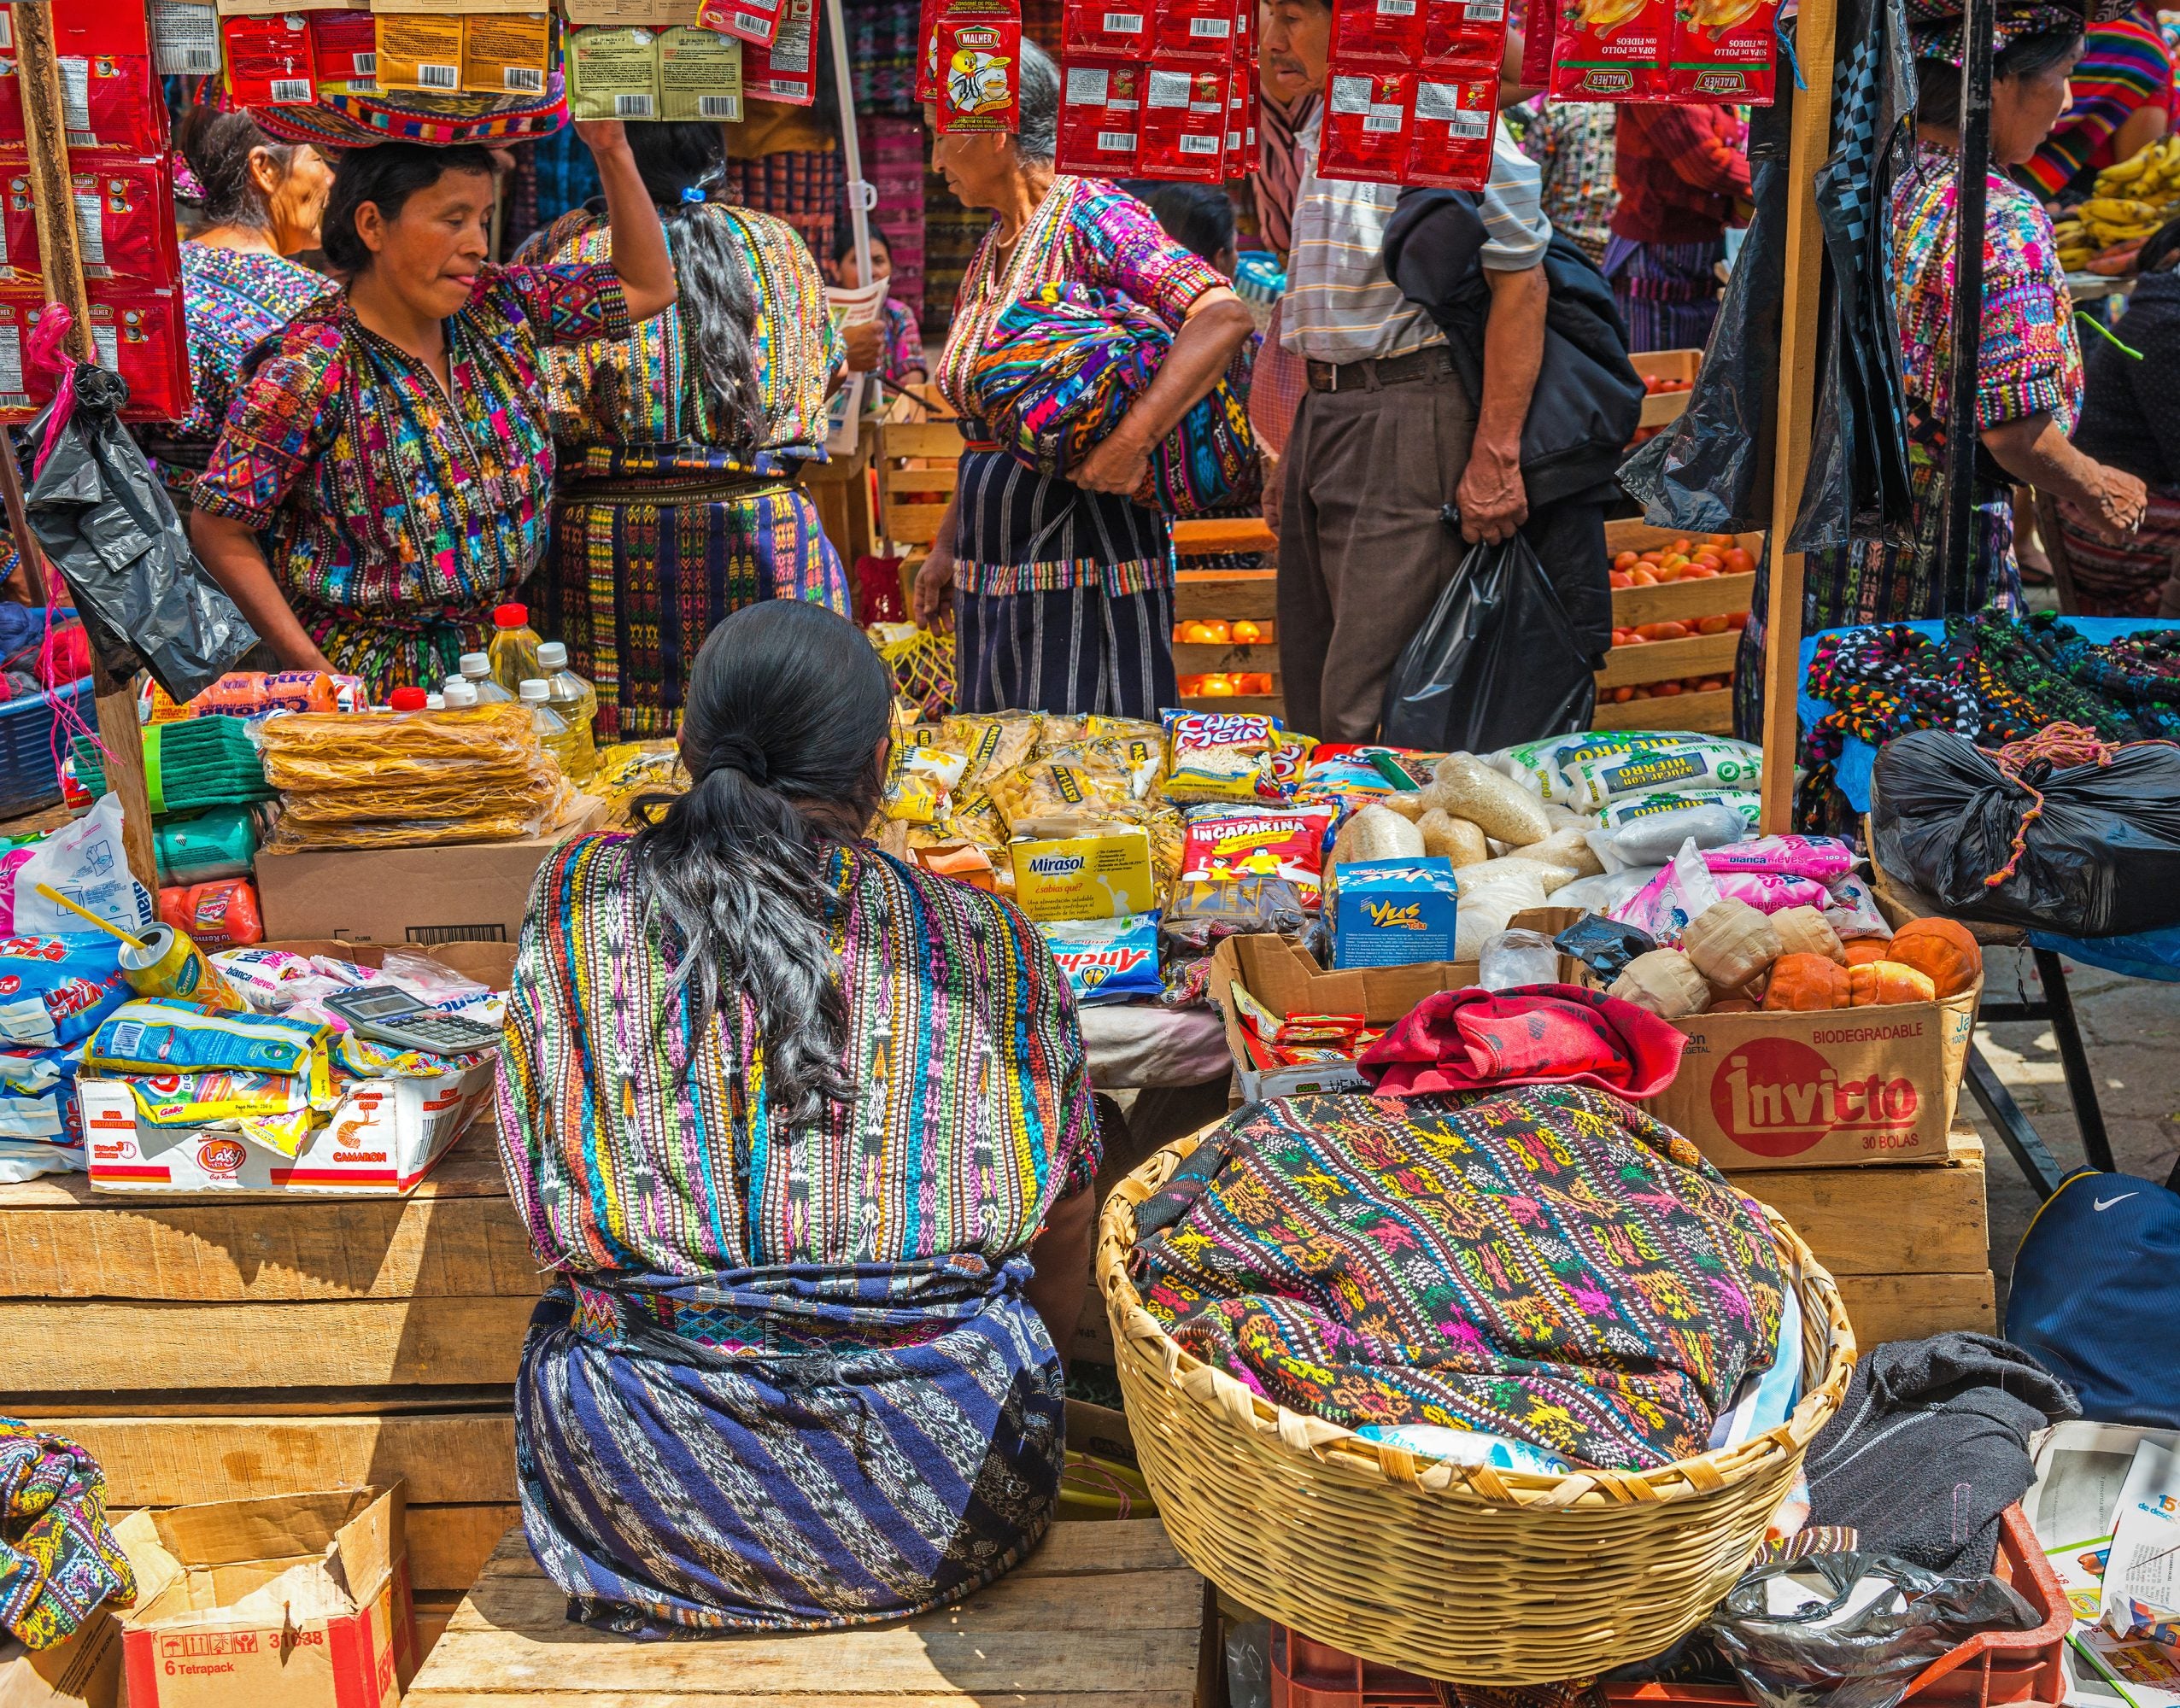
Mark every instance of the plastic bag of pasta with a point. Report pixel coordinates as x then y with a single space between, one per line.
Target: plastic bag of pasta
339 750
1043 791
995 742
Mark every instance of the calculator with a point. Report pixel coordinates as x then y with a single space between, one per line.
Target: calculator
390 1015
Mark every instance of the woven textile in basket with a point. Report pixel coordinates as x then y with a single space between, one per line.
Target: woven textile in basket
1482 1577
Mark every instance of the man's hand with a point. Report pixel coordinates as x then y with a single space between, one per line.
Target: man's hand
934 578
1491 497
866 345
1118 464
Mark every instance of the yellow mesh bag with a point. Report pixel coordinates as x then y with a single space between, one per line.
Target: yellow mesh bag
923 664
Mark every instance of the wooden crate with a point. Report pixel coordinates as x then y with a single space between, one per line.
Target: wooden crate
1661 407
1230 595
1670 661
1909 1245
1100 1612
918 465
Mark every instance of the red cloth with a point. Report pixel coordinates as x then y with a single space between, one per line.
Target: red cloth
1679 170
1481 1040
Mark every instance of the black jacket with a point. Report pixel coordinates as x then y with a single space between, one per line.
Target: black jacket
1589 400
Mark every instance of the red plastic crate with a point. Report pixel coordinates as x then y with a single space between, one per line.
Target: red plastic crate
1994 1668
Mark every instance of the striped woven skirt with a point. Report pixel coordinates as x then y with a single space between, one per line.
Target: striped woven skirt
642 572
1667 293
2129 580
786 1449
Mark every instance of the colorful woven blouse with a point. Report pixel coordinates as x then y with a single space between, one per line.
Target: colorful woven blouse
972 1115
640 390
904 343
1084 232
233 301
371 487
2031 362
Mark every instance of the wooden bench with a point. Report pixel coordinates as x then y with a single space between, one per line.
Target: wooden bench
1100 1613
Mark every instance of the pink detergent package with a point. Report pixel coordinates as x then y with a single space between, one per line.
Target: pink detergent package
1822 857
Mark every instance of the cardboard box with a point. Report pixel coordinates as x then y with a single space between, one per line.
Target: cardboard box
1102 874
385 1136
473 891
299 1599
1849 1085
83 1672
1391 913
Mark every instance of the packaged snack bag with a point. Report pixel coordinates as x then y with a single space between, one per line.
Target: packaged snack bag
788 70
507 53
1466 37
1382 32
1105 29
700 75
1454 120
156 1035
344 50
216 1094
185 38
1215 755
1108 960
124 212
1101 106
754 21
1367 125
919 781
55 990
1251 157
1046 791
1192 31
1184 124
1224 845
138 332
1722 50
421 51
612 73
1611 50
980 50
269 60
927 63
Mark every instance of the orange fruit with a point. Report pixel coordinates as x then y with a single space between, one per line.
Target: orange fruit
1246 633
1221 631
1214 687
1738 562
1198 633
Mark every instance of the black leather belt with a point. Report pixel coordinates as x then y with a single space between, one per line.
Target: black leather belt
1380 370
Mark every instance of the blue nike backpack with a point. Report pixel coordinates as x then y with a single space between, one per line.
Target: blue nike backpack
2096 1296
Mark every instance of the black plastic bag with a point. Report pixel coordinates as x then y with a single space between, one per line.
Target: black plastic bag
2103 858
109 528
1497 662
1855 1644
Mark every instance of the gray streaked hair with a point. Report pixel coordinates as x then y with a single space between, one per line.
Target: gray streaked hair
1037 137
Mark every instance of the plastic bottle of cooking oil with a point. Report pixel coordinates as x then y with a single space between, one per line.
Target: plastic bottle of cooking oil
460 693
476 671
576 704
553 735
513 647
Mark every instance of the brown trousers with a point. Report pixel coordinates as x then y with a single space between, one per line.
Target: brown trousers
1365 551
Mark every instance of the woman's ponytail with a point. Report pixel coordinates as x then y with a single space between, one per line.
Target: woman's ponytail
787 705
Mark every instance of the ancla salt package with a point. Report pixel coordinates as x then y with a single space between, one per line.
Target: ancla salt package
55 989
1108 960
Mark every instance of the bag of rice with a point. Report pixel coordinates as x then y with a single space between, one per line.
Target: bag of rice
1464 786
1633 809
1541 767
1491 893
1706 764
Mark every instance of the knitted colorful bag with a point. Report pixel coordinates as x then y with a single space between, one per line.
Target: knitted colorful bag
1062 365
358 121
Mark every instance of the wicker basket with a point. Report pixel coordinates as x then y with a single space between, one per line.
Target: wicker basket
1482 1576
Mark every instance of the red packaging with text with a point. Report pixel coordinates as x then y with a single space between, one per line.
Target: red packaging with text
269 61
344 49
754 21
1367 126
110 95
1193 32
1453 125
137 330
1252 145
1722 50
1184 124
927 62
788 70
1464 38
1384 33
1105 29
1101 111
1612 50
980 49
124 210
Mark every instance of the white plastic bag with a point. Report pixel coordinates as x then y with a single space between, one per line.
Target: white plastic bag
1653 841
85 862
1515 958
1491 893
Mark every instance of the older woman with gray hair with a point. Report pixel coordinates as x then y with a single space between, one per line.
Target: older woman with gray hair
1063 588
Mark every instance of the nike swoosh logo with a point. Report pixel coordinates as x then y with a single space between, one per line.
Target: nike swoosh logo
2106 1203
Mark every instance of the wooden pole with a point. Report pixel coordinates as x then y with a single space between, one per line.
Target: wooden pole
46 137
1810 142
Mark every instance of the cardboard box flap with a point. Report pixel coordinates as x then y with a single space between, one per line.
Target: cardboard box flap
368 1545
280 1527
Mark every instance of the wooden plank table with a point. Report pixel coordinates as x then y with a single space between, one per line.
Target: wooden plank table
1100 1613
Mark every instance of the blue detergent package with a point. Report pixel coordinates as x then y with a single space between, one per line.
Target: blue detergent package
1108 960
55 989
37 1095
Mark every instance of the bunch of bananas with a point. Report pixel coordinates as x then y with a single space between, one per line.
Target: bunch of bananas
2132 200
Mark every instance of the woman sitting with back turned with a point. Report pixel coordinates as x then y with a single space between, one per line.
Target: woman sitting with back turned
806 1136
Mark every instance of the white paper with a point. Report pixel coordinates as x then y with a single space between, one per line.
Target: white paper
2143 1568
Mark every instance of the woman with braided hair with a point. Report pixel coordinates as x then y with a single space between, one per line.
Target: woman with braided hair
804 1136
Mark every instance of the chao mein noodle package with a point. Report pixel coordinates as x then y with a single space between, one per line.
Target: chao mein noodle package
1612 50
1722 52
1218 756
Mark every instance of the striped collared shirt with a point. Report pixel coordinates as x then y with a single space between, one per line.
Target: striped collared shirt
1340 306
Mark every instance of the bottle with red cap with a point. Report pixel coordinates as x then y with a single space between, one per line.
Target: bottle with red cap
513 647
407 700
